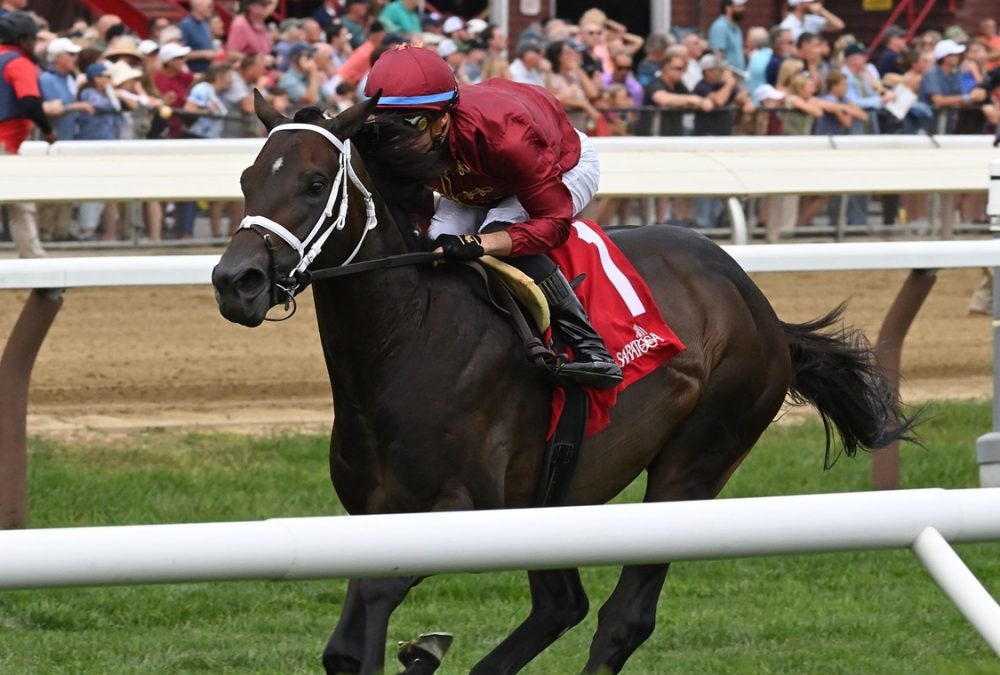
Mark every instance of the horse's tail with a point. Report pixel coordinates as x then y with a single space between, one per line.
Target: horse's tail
835 370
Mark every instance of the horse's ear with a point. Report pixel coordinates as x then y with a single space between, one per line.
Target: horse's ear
349 122
266 112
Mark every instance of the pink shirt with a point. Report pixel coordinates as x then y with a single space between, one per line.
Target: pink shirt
246 38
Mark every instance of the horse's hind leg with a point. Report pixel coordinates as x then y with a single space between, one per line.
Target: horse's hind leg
558 602
358 643
695 464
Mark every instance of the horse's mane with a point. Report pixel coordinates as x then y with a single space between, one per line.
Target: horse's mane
400 172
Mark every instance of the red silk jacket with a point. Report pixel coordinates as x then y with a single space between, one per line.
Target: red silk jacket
513 139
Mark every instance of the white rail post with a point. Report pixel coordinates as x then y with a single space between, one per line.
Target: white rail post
959 584
988 445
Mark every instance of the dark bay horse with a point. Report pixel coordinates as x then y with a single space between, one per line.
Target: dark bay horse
436 408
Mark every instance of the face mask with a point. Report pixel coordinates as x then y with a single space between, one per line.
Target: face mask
737 17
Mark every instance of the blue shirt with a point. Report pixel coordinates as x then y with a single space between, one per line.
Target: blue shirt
295 83
62 87
205 97
99 127
198 36
756 70
860 92
935 82
726 37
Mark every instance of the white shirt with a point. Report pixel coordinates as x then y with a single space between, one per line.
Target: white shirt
810 23
521 73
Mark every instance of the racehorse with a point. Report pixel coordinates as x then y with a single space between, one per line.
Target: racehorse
436 408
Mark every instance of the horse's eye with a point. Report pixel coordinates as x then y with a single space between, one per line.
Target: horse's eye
316 186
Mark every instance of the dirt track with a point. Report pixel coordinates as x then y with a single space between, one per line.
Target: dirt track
128 358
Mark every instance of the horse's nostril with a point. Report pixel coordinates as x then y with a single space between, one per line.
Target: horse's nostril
251 282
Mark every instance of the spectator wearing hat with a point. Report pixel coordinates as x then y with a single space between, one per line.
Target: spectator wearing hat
124 48
173 81
20 106
58 83
355 19
248 32
529 67
862 91
725 37
810 16
941 86
105 124
895 46
196 33
454 57
622 74
475 28
302 80
59 89
401 16
454 28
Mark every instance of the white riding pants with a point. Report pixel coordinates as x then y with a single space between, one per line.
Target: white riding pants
454 218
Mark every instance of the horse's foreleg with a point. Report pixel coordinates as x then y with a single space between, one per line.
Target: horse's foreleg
380 597
343 651
558 602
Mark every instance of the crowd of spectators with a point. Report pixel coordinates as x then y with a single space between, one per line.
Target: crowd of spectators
807 75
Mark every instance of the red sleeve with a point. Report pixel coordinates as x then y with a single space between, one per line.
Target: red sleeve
22 75
522 152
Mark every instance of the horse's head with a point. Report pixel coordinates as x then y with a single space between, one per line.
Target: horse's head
296 204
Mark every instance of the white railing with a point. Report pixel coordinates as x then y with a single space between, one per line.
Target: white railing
196 269
555 538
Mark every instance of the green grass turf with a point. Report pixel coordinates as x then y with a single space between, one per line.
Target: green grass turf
853 613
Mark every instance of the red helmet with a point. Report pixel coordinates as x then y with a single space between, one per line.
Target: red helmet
412 78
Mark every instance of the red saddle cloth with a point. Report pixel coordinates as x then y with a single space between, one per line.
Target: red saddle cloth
621 308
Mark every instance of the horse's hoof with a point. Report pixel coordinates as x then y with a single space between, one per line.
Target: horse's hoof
429 647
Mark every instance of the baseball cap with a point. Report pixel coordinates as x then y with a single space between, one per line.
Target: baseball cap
796 3
854 48
147 47
299 48
476 26
894 31
96 70
446 48
62 46
739 3
172 50
529 45
709 61
947 48
452 24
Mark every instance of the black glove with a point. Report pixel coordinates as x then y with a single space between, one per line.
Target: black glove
460 246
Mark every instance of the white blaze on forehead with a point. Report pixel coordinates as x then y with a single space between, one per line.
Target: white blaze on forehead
278 163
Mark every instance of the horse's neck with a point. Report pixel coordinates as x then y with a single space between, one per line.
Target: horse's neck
367 318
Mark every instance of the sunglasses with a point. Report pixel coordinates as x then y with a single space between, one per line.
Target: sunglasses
595 32
418 122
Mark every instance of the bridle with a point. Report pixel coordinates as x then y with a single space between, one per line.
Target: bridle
310 247
284 289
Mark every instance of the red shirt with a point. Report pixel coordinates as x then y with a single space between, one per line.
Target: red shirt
179 84
514 139
21 73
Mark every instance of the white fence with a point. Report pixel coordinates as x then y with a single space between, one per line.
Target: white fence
434 543
196 269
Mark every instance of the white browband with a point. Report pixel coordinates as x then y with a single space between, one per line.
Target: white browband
317 236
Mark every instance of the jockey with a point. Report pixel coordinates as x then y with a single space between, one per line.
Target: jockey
513 174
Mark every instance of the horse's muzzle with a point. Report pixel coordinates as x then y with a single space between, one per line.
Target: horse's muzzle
243 293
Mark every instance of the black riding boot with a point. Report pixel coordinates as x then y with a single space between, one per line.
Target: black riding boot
591 366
